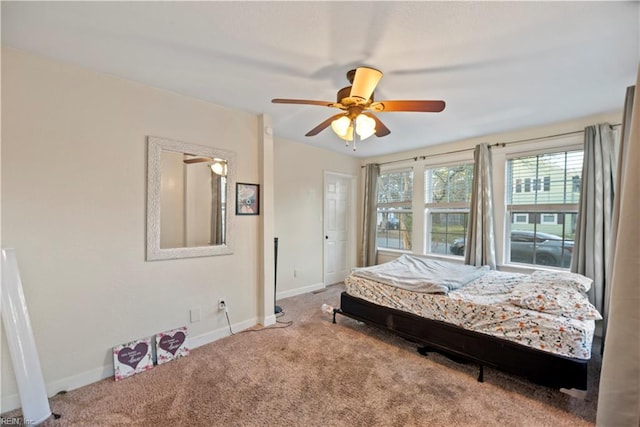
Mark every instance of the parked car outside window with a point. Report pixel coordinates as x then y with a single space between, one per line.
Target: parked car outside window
532 248
393 224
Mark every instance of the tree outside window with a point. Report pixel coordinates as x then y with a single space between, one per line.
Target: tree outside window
447 196
394 219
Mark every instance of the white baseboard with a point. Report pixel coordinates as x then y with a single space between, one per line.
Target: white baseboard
269 320
299 291
73 382
215 335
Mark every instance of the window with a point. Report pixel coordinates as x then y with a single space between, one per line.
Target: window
575 187
394 219
519 185
549 204
547 218
520 218
533 184
447 199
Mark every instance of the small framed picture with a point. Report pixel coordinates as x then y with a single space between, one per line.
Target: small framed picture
247 199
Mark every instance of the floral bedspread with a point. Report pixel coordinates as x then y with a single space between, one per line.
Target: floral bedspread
486 305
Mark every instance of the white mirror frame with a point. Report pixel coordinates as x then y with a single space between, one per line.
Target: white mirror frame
155 147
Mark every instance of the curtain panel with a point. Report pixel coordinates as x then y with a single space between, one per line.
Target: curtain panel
369 248
592 245
217 233
481 245
619 391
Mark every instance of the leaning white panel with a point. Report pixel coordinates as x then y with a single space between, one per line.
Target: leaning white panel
22 345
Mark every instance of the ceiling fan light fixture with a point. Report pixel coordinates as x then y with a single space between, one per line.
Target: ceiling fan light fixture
219 167
343 128
365 126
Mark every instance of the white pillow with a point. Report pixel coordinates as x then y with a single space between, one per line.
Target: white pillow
563 278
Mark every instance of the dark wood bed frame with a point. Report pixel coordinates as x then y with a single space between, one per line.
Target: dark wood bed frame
538 366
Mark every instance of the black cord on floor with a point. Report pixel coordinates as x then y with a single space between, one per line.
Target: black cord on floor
228 322
286 324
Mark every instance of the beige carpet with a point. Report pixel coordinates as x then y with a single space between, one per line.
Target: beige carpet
315 373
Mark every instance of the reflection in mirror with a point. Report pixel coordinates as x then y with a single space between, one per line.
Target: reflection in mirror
188 213
192 200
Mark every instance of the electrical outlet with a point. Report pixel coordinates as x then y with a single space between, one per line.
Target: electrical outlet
194 314
295 272
222 303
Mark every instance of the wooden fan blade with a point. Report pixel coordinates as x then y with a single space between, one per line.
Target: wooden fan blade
381 129
302 101
198 160
322 126
419 106
365 82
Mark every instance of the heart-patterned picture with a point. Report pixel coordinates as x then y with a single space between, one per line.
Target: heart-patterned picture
171 344
131 358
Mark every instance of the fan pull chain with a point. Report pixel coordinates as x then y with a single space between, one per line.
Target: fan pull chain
355 134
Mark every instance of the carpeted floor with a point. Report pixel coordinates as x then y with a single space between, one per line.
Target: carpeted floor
315 373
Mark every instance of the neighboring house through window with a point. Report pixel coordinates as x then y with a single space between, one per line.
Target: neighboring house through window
543 216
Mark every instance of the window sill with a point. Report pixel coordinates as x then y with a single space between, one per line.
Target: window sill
397 252
526 269
512 268
393 251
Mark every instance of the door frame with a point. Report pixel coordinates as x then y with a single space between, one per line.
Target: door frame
351 221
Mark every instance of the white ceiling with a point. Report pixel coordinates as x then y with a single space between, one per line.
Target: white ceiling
499 66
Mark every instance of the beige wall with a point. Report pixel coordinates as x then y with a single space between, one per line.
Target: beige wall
73 206
298 181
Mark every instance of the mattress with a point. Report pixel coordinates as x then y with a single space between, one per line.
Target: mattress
484 306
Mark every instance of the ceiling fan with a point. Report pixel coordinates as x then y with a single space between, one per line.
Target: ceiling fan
198 160
218 166
358 106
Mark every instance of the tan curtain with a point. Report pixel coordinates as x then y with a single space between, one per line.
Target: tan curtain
593 230
217 216
619 391
481 245
369 247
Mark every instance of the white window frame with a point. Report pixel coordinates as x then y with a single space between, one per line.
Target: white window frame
445 208
499 155
561 144
410 205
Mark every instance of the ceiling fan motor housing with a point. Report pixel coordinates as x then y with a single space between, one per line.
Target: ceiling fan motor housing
345 99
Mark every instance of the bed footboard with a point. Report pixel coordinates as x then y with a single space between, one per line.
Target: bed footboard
538 366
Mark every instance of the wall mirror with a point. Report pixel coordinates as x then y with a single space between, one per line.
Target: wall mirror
189 200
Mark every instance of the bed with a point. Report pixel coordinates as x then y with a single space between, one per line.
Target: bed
538 326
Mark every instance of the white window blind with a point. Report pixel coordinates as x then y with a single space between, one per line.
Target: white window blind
542 201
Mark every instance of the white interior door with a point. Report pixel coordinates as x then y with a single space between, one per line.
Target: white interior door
337 227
